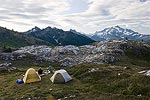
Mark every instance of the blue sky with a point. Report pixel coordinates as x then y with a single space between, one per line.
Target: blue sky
85 16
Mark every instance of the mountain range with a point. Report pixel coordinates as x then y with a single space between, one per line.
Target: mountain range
57 36
37 36
117 32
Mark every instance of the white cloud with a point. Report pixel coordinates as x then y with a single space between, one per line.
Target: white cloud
106 13
13 13
96 15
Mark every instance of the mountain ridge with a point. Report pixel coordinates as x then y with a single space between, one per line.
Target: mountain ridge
12 38
118 32
57 36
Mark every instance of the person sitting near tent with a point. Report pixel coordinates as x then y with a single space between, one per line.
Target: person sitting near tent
50 69
40 71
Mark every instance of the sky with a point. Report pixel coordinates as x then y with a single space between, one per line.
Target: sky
86 16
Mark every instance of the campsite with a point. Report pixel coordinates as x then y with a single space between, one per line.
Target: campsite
99 72
90 82
74 49
40 90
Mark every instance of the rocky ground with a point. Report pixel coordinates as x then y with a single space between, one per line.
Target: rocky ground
97 53
100 52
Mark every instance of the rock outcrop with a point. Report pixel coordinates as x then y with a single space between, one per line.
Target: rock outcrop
100 52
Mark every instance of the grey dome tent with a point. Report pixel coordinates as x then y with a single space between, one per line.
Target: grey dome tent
60 76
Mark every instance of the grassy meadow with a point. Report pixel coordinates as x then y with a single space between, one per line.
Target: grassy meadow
90 82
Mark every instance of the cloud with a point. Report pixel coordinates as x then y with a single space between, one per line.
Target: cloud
26 16
4 17
33 7
16 22
26 11
83 15
106 13
47 22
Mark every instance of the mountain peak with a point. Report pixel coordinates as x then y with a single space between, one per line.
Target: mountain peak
58 36
35 29
74 31
116 32
117 26
47 28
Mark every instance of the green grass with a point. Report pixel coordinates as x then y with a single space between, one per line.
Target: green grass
9 89
106 81
103 84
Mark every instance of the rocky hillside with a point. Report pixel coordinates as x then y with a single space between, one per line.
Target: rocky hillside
57 36
117 32
97 53
10 38
108 70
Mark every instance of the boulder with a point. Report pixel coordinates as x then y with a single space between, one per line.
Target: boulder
67 62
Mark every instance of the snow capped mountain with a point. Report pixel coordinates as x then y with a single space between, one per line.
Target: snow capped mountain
117 32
